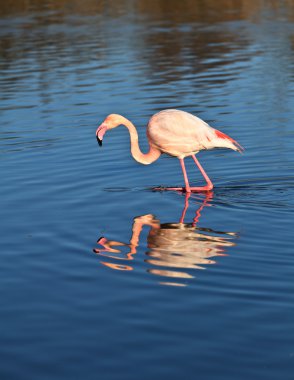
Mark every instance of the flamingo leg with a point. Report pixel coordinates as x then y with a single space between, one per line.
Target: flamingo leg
187 186
209 185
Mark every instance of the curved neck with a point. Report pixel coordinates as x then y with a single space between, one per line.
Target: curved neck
143 158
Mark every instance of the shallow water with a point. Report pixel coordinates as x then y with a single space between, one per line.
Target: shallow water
176 286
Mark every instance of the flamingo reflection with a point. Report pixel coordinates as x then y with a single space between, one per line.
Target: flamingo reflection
175 249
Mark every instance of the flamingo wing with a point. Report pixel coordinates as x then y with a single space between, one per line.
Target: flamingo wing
181 134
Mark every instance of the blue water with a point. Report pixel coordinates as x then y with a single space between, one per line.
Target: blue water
205 292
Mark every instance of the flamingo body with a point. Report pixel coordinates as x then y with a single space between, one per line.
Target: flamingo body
176 133
182 134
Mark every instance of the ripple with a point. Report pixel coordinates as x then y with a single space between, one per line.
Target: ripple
211 274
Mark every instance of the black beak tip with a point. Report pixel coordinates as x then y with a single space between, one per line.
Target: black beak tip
99 141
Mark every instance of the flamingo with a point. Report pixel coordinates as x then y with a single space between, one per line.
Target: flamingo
176 133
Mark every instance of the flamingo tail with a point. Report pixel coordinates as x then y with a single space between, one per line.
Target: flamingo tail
236 146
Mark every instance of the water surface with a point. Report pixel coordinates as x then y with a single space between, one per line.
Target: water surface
197 286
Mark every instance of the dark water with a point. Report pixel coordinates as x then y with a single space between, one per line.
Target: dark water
178 288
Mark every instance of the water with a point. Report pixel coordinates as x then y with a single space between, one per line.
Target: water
197 287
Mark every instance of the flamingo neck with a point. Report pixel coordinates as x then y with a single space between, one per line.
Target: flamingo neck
138 155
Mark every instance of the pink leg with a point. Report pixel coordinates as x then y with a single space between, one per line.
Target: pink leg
187 187
209 185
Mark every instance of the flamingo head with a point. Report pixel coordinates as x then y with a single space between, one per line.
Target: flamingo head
100 132
110 122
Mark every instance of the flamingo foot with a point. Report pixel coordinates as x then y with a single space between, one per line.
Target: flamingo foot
162 188
203 188
184 189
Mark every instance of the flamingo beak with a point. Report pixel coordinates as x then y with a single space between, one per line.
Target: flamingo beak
100 132
99 141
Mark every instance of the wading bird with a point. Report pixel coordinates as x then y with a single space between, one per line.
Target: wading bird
176 133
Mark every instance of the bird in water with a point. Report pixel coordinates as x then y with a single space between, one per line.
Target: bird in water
176 133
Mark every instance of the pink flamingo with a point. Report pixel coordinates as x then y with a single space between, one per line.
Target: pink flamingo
176 133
